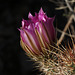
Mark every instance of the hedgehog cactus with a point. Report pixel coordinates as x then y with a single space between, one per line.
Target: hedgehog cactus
38 40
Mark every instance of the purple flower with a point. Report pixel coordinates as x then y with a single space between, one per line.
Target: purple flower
36 32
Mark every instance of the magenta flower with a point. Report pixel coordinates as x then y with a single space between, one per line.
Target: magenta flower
36 32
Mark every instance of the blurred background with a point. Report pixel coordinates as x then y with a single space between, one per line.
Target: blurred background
13 60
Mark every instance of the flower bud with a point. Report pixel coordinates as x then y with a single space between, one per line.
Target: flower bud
36 32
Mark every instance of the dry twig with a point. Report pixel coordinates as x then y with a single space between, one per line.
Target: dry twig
65 29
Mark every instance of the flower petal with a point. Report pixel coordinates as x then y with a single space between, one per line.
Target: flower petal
41 15
50 28
29 38
30 16
42 33
33 41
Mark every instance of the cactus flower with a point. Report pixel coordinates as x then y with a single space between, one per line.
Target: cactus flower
36 32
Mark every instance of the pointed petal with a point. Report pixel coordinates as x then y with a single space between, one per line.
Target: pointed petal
30 16
23 23
41 11
41 15
35 18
